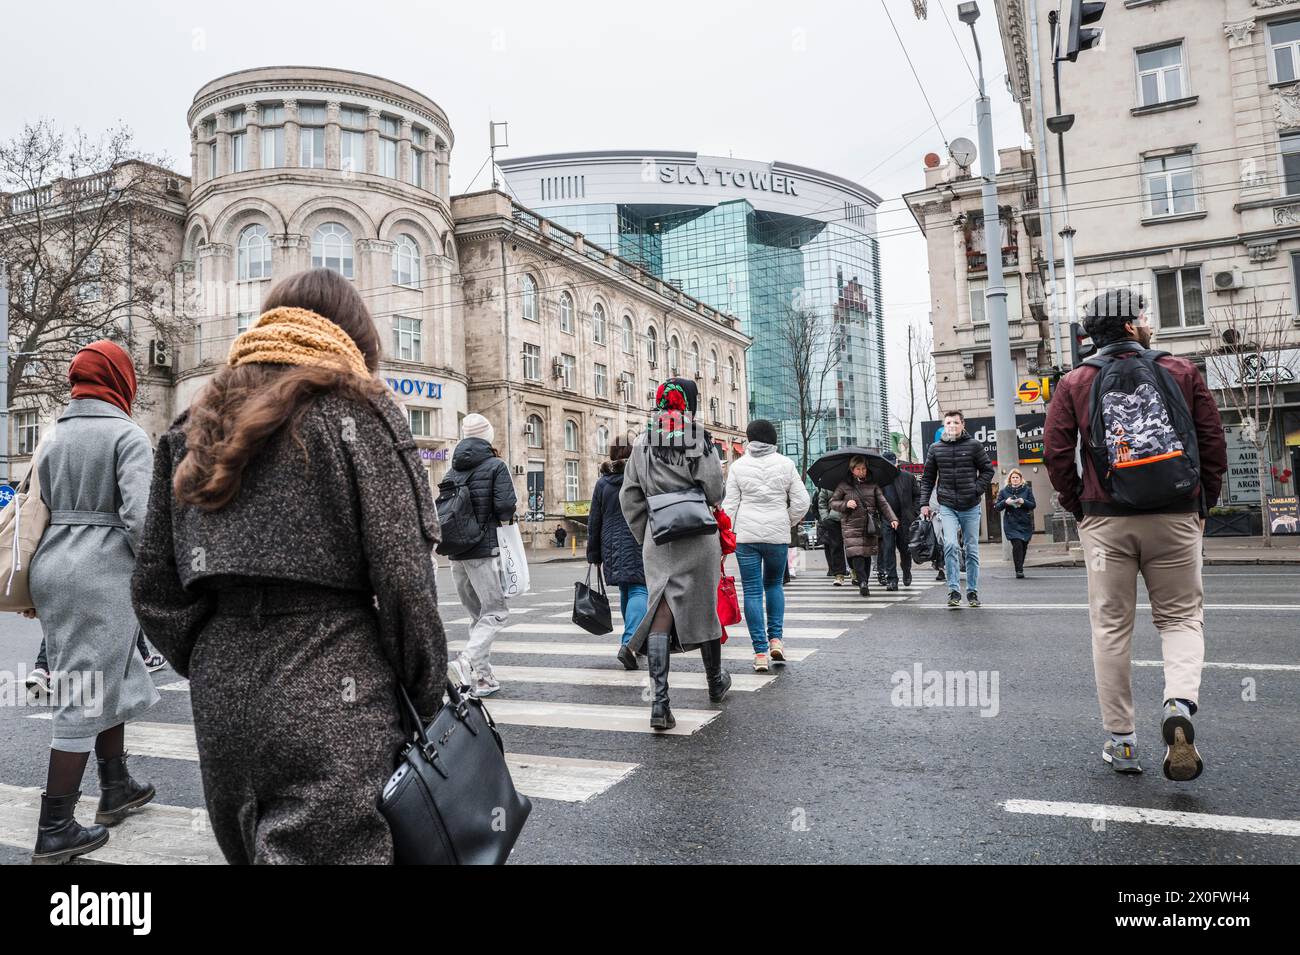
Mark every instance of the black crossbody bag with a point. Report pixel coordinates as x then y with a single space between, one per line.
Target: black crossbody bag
674 515
451 800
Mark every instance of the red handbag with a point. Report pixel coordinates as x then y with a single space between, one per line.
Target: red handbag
726 536
728 603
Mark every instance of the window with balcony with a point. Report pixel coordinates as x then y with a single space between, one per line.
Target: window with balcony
978 291
973 230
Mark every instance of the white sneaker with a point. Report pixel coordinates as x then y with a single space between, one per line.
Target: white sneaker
486 685
39 680
461 673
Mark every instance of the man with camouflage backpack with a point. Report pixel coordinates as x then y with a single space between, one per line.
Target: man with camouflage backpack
1153 458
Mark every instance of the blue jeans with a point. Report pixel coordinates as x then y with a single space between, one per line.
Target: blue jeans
632 601
762 573
969 523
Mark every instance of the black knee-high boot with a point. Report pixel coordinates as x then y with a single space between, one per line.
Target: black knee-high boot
661 716
719 679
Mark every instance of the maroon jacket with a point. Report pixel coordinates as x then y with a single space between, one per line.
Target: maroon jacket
1068 416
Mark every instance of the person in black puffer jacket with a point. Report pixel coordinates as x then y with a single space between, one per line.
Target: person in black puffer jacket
959 468
613 549
478 580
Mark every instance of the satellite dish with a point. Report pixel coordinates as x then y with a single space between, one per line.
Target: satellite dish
932 160
962 151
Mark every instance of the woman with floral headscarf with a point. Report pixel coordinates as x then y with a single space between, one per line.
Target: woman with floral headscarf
675 453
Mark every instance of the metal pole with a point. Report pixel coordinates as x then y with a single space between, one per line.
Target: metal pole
1045 190
1067 231
1003 371
4 372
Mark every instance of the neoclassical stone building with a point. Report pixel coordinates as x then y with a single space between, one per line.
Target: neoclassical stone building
481 304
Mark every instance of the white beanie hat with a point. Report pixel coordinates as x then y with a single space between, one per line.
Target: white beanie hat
477 426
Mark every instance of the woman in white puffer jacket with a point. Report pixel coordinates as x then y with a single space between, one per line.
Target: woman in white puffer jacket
765 498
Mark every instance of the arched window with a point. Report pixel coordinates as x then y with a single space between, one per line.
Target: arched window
674 354
695 359
602 440
731 372
331 248
598 323
528 295
570 435
254 254
533 431
651 346
713 364
406 261
566 312
629 336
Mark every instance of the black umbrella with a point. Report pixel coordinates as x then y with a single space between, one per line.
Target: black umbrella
832 468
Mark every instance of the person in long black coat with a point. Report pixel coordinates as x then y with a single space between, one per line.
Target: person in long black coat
296 596
612 548
904 496
1016 502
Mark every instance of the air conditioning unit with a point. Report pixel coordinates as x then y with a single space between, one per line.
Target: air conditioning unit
529 430
735 387
1228 280
650 395
160 355
172 186
699 376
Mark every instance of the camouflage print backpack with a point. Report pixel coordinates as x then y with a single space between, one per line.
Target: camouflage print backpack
1143 439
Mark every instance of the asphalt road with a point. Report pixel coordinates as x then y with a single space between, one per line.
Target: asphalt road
821 763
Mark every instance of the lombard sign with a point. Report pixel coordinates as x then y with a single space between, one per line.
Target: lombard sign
728 178
416 387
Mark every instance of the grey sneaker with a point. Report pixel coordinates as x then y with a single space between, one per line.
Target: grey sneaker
487 685
1182 761
1123 757
973 598
954 600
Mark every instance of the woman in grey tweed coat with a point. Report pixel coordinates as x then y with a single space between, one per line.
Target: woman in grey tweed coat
296 589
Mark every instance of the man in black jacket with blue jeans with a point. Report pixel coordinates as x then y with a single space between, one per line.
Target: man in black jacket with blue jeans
960 468
475 571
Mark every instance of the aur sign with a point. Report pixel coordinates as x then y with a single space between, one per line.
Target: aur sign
728 178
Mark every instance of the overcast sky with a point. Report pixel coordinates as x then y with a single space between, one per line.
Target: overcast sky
821 83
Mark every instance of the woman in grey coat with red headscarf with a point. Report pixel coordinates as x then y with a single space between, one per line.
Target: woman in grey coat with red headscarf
675 453
94 472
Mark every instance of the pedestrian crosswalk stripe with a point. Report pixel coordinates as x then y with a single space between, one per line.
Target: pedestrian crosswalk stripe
1154 817
617 618
546 777
809 633
1036 606
1286 667
577 676
593 716
730 651
156 834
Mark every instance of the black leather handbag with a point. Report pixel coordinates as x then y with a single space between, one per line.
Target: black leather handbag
673 515
591 607
451 800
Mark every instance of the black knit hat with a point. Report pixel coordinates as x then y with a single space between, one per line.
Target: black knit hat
761 430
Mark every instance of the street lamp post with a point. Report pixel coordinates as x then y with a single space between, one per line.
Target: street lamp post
1004 410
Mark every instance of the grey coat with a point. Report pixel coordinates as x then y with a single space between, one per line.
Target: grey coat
94 471
684 572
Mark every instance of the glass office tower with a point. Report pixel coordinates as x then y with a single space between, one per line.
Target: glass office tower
778 246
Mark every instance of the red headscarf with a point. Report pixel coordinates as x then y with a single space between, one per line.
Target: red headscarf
103 370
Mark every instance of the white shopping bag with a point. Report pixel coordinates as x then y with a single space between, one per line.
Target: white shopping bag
796 560
511 561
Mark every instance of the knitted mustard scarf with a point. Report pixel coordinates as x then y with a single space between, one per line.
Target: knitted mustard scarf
297 336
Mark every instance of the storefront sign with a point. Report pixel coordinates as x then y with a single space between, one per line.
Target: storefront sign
577 508
434 454
415 387
727 178
1283 515
1241 482
1280 367
1029 427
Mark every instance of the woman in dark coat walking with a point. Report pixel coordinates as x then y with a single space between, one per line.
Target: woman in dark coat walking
613 549
94 475
1016 502
285 569
676 453
861 503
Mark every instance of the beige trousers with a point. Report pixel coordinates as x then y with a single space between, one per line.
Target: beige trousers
1166 550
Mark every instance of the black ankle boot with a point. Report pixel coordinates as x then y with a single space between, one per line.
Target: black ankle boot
661 716
59 837
119 793
719 679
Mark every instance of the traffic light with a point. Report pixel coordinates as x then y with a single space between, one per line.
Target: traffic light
1081 345
1078 35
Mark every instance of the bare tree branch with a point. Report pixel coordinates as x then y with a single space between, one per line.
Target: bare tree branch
814 347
